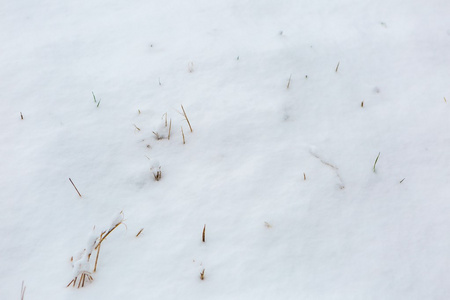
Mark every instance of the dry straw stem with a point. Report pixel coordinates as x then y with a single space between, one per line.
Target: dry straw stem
140 231
104 237
289 82
182 133
362 104
170 128
337 67
444 100
137 127
21 116
84 275
98 252
204 234
75 187
22 292
202 275
189 123
304 176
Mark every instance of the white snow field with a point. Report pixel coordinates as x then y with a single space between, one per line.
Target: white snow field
279 165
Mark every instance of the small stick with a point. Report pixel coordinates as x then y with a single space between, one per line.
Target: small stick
21 116
170 127
362 104
289 82
402 180
98 252
204 234
137 127
140 231
304 176
182 133
444 100
184 112
376 161
202 275
139 111
337 67
75 187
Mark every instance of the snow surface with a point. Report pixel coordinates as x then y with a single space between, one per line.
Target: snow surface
345 232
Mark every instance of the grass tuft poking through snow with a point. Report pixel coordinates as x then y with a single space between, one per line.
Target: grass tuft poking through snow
82 266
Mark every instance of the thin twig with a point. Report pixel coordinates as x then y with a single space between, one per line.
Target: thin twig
337 67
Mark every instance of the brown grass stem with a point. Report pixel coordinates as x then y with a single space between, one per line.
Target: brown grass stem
204 234
182 133
75 187
189 123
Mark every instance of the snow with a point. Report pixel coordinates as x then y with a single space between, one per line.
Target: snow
281 176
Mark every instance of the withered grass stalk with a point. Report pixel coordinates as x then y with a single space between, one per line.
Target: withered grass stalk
98 252
202 275
204 234
182 133
170 128
189 123
75 187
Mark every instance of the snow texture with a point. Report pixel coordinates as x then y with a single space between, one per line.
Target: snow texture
290 103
